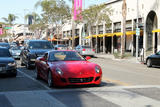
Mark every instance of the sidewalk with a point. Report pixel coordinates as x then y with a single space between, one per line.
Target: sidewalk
111 56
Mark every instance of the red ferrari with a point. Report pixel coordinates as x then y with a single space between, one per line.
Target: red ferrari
62 68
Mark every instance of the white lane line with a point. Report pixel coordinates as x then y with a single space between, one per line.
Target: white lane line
28 76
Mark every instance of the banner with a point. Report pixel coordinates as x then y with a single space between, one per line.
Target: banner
77 9
1 31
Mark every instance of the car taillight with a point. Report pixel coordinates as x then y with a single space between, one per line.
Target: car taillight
93 50
59 48
84 50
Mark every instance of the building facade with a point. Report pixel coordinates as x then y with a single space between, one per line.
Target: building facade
108 40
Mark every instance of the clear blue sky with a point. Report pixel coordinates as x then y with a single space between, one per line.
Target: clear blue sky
21 7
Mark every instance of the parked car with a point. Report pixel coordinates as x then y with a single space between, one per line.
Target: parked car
13 44
7 63
32 50
85 50
62 68
61 47
15 52
153 60
3 44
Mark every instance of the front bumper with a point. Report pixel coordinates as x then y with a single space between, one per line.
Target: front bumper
79 80
8 70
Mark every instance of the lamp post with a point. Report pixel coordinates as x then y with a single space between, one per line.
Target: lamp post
137 32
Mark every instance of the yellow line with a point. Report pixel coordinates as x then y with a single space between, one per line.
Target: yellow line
116 81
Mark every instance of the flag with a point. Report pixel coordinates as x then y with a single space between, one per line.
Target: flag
77 8
1 31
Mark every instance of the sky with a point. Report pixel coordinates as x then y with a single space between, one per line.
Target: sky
23 7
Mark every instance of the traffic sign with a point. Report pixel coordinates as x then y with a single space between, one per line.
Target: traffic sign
138 31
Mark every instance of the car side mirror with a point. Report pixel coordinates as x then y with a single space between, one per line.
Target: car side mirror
42 59
87 58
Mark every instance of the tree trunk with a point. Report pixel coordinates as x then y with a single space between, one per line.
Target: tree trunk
124 6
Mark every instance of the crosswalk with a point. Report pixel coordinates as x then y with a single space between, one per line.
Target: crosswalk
117 96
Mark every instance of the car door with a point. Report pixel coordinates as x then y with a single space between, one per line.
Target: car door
45 66
156 59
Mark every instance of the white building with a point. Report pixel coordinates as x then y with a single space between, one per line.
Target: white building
149 24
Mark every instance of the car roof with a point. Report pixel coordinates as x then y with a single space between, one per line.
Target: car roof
37 40
3 48
62 51
3 43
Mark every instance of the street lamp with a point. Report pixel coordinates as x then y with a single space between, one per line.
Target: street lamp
137 32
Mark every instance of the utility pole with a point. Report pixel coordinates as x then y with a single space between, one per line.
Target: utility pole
124 13
137 32
73 25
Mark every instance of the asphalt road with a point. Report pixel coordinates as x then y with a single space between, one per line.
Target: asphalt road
124 85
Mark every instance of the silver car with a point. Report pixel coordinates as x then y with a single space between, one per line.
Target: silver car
85 50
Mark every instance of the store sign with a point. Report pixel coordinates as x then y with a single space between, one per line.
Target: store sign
138 31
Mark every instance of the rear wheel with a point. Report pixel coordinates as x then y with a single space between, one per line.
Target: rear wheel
50 79
149 63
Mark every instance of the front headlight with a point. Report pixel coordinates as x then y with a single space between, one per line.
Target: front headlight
12 64
59 71
97 69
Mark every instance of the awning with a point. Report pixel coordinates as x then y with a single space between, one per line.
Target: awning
109 34
118 33
88 37
157 30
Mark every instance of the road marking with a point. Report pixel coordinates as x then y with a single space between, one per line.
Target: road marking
116 81
28 76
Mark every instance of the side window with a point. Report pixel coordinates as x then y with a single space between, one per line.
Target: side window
46 56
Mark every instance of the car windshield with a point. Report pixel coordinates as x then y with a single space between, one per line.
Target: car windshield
16 48
86 47
40 45
4 53
65 56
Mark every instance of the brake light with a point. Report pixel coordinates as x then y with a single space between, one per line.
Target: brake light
84 50
93 50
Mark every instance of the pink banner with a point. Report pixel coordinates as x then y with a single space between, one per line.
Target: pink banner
1 31
77 8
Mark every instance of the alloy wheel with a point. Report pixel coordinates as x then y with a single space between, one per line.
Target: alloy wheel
50 79
149 63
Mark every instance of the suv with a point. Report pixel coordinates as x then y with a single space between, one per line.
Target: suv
32 50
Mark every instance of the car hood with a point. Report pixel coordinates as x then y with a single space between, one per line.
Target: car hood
76 68
16 51
38 51
153 56
6 59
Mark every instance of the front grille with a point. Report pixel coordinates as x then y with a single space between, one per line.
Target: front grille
2 65
80 80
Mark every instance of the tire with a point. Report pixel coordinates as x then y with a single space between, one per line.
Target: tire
149 63
28 66
37 74
14 74
22 64
50 79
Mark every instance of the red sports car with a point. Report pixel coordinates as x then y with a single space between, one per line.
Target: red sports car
62 68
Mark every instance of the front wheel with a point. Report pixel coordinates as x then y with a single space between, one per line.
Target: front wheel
149 63
50 79
37 74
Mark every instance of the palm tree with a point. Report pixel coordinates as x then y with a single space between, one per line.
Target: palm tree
11 18
34 16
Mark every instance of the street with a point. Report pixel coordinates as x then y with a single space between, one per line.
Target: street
124 84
